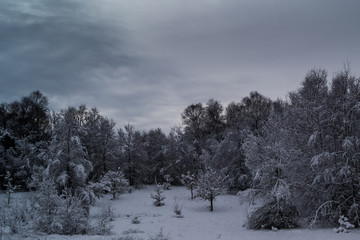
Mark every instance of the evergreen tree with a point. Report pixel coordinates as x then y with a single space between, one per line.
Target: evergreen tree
115 182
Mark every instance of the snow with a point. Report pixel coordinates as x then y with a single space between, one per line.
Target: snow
226 222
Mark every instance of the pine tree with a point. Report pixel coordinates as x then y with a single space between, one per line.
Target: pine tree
158 196
115 182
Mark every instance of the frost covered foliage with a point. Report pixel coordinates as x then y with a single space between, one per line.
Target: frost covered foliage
158 196
24 133
59 214
167 182
330 141
15 217
115 182
274 214
229 157
210 185
345 226
102 225
177 207
68 162
190 181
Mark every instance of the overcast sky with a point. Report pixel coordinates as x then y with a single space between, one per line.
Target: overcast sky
144 61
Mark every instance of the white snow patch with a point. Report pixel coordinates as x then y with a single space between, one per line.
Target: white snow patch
226 222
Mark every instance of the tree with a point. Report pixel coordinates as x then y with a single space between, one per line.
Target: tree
132 154
115 182
58 214
256 109
193 119
210 185
189 180
24 133
100 141
158 196
229 158
10 187
68 160
214 124
157 163
235 116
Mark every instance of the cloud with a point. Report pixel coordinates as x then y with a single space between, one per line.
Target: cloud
143 62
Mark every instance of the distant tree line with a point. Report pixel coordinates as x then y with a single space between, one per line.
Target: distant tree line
302 152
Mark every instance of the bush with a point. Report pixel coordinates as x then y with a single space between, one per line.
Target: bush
102 225
275 214
177 207
158 196
15 217
159 236
59 214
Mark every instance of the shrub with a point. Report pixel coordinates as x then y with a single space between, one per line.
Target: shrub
159 236
158 196
177 207
102 225
275 214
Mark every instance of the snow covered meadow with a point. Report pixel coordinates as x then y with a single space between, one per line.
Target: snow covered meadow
227 221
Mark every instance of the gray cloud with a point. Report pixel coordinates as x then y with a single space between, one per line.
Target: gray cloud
143 62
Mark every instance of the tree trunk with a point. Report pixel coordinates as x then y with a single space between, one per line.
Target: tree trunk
211 204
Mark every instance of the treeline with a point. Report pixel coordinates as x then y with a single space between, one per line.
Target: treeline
302 154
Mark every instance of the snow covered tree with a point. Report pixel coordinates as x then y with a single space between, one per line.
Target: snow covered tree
229 158
115 182
158 196
335 156
100 141
56 213
190 181
210 184
68 160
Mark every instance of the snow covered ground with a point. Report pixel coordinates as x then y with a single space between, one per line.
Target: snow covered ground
226 222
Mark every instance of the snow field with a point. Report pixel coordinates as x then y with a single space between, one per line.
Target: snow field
226 222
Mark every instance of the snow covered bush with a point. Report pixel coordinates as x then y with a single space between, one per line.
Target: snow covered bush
275 214
159 236
115 182
102 225
59 214
345 226
189 180
167 183
210 185
15 218
158 196
177 207
135 220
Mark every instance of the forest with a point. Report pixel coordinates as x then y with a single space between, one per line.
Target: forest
300 155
